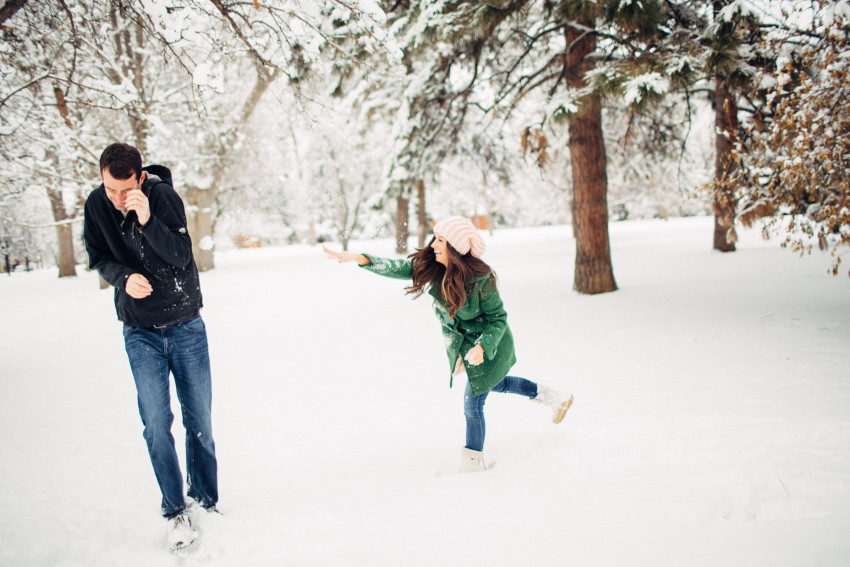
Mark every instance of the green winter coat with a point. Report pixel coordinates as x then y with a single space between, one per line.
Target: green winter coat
482 320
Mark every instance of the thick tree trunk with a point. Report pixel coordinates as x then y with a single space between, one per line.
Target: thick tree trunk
402 220
67 262
593 270
64 232
64 235
723 204
421 215
200 219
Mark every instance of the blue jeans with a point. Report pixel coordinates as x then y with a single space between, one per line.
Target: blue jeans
182 351
473 408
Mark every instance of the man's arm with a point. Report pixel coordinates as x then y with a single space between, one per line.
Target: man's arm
165 229
110 269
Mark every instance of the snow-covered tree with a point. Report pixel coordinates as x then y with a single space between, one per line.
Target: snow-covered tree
46 136
238 50
794 160
442 47
731 38
22 238
344 175
178 81
580 54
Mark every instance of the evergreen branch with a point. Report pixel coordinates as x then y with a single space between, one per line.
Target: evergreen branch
519 84
531 86
530 45
688 19
523 82
793 30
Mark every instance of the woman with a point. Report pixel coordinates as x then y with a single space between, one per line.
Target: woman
475 326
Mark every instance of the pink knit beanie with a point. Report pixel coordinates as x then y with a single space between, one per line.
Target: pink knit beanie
461 234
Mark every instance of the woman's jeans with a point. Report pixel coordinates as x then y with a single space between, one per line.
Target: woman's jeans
182 351
473 408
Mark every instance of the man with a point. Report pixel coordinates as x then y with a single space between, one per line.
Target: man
136 237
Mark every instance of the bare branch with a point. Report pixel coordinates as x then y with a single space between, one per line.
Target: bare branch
24 87
9 8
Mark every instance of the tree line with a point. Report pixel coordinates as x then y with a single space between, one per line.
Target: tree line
374 101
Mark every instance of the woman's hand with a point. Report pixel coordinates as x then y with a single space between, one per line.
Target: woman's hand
346 256
475 356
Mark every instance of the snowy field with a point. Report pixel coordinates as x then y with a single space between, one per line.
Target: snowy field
711 425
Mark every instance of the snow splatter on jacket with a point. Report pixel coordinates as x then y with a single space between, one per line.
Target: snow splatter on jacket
161 250
481 320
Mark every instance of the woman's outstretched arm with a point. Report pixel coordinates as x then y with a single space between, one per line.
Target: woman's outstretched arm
347 257
400 269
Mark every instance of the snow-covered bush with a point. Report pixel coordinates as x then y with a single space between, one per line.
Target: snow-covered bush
795 158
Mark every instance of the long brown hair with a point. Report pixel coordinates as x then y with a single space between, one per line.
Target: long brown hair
451 279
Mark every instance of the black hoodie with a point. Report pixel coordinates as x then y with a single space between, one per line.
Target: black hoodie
161 251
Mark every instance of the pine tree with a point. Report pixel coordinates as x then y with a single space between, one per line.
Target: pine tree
439 41
731 39
581 53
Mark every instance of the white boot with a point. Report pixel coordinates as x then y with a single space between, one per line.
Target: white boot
472 461
180 532
554 400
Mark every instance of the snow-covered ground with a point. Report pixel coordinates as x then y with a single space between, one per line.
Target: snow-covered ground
711 425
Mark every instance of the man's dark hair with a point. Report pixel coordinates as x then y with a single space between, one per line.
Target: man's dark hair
123 161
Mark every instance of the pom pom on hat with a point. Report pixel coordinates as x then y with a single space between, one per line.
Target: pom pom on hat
461 234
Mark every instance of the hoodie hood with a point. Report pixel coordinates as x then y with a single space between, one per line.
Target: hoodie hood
158 173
